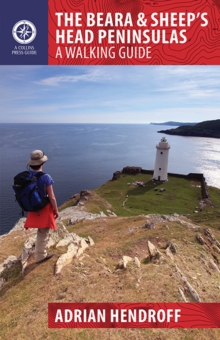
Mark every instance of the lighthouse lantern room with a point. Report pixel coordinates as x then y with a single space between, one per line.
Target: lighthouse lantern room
161 161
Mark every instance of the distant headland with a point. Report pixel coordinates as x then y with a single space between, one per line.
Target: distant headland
171 123
209 129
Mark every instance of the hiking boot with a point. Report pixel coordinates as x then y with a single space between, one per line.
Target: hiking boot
49 255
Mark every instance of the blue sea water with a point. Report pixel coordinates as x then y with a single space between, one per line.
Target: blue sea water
84 156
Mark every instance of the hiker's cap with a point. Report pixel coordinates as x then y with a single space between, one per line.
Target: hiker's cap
37 157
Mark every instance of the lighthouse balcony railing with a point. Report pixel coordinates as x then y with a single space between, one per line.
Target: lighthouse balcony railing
163 147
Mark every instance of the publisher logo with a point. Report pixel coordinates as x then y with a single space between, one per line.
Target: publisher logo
24 32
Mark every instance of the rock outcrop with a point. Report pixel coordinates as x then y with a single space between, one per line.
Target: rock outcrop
76 246
122 264
188 287
8 263
29 247
154 253
60 238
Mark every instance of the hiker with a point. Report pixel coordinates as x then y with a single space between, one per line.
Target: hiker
44 219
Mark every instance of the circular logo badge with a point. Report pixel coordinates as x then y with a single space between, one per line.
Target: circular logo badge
24 32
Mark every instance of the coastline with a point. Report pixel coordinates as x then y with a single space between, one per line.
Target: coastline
101 149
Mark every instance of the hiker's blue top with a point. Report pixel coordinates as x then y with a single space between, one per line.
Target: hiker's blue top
43 182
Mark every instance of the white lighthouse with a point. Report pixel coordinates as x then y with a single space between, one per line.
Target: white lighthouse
161 161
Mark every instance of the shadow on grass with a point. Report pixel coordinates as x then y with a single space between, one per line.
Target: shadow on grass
148 186
12 277
146 260
30 268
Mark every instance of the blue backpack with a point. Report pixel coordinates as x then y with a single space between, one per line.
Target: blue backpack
27 193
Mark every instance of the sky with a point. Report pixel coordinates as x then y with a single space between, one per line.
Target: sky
109 94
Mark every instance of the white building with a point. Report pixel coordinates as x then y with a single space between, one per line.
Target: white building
161 162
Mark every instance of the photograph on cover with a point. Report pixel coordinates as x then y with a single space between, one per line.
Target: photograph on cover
134 156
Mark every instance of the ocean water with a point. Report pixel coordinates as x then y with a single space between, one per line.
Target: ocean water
84 156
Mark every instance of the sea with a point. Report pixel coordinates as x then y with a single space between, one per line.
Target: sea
85 156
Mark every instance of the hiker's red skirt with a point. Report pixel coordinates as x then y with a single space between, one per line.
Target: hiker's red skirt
41 219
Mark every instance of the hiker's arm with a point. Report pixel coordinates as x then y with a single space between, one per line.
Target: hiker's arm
52 199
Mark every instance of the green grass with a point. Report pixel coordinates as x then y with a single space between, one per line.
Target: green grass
210 216
180 196
70 203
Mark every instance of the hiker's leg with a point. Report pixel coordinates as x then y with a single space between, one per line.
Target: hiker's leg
40 248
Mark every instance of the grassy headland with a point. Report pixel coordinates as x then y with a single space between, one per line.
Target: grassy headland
181 196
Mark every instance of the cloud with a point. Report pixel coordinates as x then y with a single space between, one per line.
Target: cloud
109 93
189 82
92 75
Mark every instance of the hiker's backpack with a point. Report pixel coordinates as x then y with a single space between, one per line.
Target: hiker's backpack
27 193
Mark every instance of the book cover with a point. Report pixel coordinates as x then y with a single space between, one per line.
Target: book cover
82 81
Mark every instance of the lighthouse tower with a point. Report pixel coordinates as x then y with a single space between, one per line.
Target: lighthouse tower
161 161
